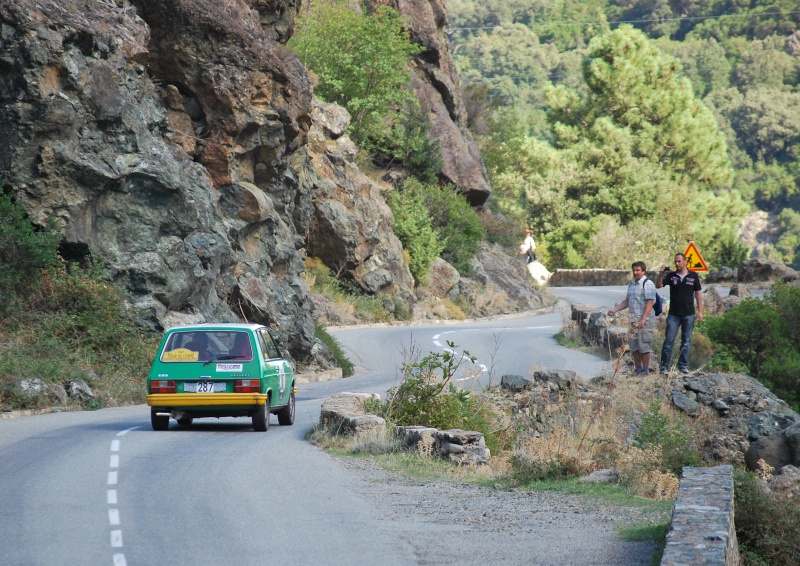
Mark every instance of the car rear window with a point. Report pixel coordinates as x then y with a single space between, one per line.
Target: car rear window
207 345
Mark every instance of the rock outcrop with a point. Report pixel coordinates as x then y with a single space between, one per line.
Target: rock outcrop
436 86
351 228
166 140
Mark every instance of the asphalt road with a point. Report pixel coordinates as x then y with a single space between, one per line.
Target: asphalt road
97 488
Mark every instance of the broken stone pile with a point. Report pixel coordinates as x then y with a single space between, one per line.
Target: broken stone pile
346 413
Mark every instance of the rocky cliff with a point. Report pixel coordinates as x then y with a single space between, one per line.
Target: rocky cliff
178 142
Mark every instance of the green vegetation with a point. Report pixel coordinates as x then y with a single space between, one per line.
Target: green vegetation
772 354
457 226
361 58
414 226
336 349
670 435
428 396
767 526
23 253
612 141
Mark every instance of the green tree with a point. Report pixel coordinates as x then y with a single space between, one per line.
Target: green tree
361 60
638 87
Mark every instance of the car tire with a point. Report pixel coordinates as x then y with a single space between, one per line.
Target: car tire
185 420
286 415
261 418
159 422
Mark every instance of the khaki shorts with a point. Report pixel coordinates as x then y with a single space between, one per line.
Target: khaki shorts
641 339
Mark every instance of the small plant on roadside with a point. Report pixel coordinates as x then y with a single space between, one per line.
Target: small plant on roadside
348 298
427 396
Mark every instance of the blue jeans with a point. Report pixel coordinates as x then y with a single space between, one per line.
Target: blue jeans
686 324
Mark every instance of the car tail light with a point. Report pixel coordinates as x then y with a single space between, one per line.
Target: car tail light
247 386
163 387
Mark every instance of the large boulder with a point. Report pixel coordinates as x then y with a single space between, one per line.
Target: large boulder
759 270
779 449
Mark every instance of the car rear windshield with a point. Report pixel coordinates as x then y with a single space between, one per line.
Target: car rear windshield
207 345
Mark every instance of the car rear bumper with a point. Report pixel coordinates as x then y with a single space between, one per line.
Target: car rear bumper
170 400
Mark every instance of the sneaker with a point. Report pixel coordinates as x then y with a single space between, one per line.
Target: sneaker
664 370
684 371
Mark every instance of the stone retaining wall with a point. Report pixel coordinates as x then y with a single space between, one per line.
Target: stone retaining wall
593 277
702 529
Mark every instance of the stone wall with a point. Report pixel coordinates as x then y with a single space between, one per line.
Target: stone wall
702 530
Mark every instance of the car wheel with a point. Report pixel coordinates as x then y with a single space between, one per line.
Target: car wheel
261 417
286 415
159 422
185 420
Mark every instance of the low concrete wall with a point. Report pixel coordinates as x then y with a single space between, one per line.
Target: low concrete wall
588 277
702 530
335 373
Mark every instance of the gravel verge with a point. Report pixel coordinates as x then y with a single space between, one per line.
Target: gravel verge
445 523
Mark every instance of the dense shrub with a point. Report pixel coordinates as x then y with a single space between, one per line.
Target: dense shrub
670 435
772 354
75 326
454 219
413 225
361 60
427 396
767 526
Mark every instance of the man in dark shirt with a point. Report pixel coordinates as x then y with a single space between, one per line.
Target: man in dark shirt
684 288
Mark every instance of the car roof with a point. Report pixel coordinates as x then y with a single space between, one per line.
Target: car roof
216 326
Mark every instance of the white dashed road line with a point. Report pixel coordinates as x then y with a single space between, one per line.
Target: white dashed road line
111 497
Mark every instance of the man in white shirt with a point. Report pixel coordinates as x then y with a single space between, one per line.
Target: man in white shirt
527 247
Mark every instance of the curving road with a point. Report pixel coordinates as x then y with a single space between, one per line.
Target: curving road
101 488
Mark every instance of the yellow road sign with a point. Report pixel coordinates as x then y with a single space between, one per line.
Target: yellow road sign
694 261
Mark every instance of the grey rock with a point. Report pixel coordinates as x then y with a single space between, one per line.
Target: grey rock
515 382
720 405
684 403
79 390
779 449
764 270
786 482
695 385
764 424
606 475
563 379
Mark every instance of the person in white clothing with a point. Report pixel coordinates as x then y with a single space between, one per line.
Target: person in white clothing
527 247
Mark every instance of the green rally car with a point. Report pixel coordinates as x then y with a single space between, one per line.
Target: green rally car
220 370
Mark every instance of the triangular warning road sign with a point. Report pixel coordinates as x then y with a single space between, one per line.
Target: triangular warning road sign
694 261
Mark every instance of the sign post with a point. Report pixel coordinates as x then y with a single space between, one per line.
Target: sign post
694 261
